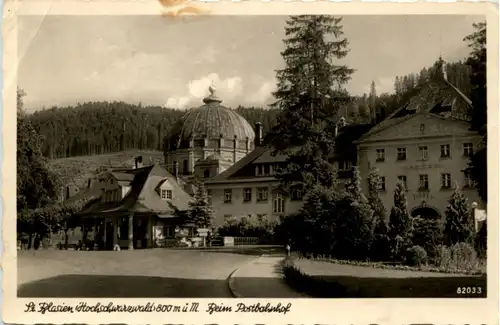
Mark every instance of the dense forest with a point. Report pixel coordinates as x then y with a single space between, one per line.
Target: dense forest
103 127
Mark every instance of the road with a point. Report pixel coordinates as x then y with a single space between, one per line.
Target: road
140 273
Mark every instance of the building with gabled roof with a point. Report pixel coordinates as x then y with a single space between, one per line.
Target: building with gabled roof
425 144
139 208
250 188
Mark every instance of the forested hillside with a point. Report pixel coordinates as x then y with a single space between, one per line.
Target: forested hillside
96 128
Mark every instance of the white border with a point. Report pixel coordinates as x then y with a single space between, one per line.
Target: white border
305 311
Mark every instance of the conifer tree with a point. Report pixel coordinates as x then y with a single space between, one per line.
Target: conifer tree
310 91
459 224
400 221
374 187
373 100
200 210
354 219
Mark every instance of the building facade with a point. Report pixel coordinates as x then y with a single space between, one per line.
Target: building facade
249 189
137 208
426 145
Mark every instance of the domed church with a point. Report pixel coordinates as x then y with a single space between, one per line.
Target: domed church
208 140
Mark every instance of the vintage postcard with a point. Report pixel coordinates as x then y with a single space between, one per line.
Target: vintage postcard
249 162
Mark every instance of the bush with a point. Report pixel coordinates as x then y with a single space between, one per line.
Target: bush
416 256
461 256
427 233
248 227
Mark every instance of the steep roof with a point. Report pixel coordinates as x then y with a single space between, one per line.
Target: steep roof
248 159
143 196
265 155
437 96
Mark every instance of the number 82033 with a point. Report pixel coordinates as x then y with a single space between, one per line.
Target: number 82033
469 290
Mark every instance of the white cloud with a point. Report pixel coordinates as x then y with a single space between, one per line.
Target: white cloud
263 94
226 88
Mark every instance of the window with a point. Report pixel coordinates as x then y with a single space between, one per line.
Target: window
267 170
422 128
380 155
382 183
185 166
445 151
468 182
278 203
345 165
206 173
297 194
424 182
423 152
402 179
166 194
228 195
401 154
247 195
262 194
468 149
261 217
259 170
168 231
445 180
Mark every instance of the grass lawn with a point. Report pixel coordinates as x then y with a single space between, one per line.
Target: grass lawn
329 280
139 273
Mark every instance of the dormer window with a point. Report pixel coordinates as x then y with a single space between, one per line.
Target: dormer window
166 194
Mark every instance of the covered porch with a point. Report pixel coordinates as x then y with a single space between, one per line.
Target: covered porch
113 231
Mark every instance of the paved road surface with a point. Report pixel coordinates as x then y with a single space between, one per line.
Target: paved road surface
140 273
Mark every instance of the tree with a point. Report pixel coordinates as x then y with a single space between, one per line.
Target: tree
380 224
373 100
477 63
200 210
459 224
354 219
310 91
400 222
37 185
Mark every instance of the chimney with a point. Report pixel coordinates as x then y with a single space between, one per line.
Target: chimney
138 162
176 170
89 182
258 134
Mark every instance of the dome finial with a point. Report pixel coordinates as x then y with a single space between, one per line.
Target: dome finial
212 98
212 88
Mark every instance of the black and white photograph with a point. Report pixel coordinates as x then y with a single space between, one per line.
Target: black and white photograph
252 156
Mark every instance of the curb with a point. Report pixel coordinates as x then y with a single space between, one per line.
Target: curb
230 279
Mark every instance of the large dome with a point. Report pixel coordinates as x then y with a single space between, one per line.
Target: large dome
213 121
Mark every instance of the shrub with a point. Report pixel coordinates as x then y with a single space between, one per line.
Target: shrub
416 256
459 226
427 233
461 256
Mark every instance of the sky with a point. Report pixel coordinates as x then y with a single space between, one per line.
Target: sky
155 60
